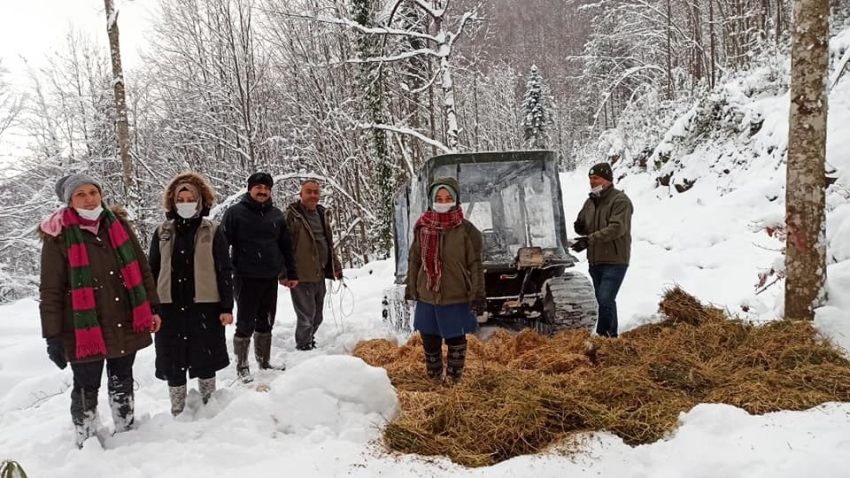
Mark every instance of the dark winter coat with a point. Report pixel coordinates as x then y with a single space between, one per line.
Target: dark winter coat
607 222
114 313
305 245
261 246
192 337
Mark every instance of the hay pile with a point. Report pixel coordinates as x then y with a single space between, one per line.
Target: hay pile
522 393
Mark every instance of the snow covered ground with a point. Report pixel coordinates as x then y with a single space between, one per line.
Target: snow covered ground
323 416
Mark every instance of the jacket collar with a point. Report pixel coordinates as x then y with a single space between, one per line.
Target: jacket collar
604 194
256 206
302 211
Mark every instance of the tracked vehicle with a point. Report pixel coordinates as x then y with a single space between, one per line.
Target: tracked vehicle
514 199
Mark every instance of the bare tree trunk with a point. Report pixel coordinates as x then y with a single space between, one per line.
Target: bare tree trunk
669 52
120 100
805 246
712 42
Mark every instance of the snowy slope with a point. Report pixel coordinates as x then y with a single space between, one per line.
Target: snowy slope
323 417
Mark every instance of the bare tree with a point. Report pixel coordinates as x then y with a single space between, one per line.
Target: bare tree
805 220
121 123
10 103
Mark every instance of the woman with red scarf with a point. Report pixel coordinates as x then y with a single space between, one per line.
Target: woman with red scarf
97 298
446 278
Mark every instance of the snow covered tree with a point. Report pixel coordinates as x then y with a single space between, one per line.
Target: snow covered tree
10 104
372 90
537 109
805 198
121 123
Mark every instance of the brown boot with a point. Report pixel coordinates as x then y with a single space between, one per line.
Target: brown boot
263 351
240 349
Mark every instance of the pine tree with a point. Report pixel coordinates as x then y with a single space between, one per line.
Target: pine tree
537 109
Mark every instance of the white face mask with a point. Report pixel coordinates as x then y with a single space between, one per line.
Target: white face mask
443 207
90 214
597 190
186 210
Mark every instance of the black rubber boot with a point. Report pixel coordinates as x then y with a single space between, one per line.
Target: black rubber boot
84 414
455 361
121 402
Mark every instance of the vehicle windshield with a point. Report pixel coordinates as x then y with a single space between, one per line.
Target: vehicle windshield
510 202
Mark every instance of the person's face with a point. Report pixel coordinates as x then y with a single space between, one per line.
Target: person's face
443 196
260 193
86 196
310 195
598 181
186 196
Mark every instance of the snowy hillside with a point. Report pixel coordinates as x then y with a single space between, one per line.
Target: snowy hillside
323 417
721 202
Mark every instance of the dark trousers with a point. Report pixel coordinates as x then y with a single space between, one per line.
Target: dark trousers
256 305
88 374
308 299
434 343
607 279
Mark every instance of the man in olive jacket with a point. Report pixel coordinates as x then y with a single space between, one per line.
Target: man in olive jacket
313 246
605 224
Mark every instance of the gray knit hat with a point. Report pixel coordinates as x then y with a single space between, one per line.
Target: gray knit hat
66 186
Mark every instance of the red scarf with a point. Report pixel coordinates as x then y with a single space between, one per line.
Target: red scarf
430 228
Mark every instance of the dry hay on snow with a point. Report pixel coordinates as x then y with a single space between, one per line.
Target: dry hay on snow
522 393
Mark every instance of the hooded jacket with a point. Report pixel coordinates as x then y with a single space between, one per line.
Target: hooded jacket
114 313
461 256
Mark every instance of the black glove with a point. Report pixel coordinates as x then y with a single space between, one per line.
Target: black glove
579 245
578 226
479 306
56 352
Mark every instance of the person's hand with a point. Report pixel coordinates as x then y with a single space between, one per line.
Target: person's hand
579 245
578 226
411 302
56 352
226 318
479 306
156 323
337 275
293 284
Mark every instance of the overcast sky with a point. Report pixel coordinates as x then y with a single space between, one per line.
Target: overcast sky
34 29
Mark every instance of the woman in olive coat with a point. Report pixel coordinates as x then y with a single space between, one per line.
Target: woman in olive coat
446 279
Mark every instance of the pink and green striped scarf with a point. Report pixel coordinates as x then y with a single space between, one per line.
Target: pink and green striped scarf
86 327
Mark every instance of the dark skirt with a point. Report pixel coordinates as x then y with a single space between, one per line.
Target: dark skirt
447 321
191 340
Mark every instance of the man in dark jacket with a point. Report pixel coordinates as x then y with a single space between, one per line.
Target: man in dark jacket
261 252
309 224
605 226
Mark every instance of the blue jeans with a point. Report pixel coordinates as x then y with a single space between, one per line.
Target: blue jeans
607 279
